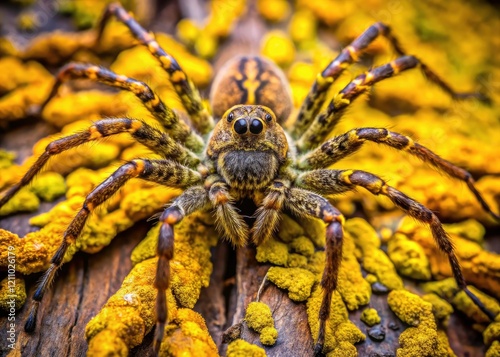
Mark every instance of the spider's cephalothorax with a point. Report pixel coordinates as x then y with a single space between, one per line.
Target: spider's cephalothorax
248 156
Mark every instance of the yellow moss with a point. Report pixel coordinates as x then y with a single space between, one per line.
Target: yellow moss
440 307
258 316
494 350
289 229
24 201
408 257
277 46
467 306
341 334
469 229
188 335
49 186
268 336
60 111
191 266
491 333
302 27
107 343
273 10
12 294
422 338
272 251
302 245
242 348
353 288
129 314
374 259
297 281
370 317
297 261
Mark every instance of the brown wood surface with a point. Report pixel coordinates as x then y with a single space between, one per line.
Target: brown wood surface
83 286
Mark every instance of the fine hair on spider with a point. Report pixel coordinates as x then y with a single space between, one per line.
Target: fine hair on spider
243 154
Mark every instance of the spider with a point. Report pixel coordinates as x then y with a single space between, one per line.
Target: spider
245 157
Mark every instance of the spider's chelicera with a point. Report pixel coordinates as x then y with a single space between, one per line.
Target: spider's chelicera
248 156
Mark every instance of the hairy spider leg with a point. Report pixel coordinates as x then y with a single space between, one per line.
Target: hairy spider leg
306 203
329 182
343 145
187 91
164 172
178 129
228 220
267 215
150 137
191 200
350 54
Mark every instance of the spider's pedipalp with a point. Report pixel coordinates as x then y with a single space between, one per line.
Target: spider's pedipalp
268 214
150 137
326 181
306 203
341 146
164 172
226 214
188 93
169 119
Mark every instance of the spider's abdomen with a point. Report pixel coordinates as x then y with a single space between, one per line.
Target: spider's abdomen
251 80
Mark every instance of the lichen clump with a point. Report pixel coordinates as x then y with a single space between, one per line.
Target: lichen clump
259 318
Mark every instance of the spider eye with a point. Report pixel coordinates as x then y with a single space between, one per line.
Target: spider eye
268 117
230 117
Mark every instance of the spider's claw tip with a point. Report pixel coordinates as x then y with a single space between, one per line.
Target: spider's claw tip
318 350
30 324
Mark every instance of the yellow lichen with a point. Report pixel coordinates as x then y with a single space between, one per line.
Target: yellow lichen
49 185
274 10
289 229
421 339
12 293
408 257
297 281
341 334
494 350
440 307
374 259
491 333
277 46
24 201
272 251
302 245
259 318
242 348
370 317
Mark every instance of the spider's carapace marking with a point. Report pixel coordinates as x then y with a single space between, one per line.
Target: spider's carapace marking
251 80
249 157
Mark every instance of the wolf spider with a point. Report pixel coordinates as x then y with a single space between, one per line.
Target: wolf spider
247 155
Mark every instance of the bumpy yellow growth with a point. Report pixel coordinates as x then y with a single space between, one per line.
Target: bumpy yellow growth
422 338
24 201
297 281
259 318
274 10
375 260
272 251
440 307
341 334
370 317
242 348
408 257
191 266
278 47
12 290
